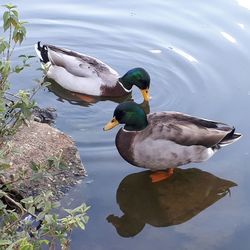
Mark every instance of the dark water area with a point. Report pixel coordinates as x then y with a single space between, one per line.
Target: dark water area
198 57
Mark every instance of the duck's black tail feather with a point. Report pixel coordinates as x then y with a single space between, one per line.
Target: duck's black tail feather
42 52
231 137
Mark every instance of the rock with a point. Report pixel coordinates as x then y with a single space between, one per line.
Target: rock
42 147
46 115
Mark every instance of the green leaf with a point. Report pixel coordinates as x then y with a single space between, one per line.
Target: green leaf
19 34
6 16
43 242
18 69
25 245
28 200
35 167
69 211
56 204
5 242
49 218
23 22
6 70
32 210
3 46
15 12
46 84
38 199
85 219
40 216
6 24
9 6
81 224
14 21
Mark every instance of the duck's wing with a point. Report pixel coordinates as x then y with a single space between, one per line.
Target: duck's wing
187 130
82 65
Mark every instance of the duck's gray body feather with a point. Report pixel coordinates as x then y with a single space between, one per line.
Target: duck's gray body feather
172 139
81 73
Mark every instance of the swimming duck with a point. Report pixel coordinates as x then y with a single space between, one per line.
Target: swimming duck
165 140
87 75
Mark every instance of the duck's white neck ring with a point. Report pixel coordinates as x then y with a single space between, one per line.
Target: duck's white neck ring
125 130
128 91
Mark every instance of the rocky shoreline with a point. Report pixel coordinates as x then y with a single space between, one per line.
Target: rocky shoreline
44 157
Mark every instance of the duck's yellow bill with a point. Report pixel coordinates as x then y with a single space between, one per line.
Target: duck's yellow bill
113 123
145 94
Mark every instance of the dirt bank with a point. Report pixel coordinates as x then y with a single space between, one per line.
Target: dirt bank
46 159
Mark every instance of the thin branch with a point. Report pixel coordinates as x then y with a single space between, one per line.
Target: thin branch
36 90
8 51
13 48
8 93
17 204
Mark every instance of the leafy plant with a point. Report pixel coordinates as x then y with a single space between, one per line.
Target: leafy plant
14 108
29 223
35 225
16 34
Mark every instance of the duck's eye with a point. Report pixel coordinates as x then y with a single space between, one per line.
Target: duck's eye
113 120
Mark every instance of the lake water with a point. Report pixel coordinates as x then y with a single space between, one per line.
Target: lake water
198 56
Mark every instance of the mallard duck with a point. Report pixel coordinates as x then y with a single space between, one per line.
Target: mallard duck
165 140
87 75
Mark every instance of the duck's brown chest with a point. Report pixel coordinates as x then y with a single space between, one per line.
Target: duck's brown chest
116 90
124 143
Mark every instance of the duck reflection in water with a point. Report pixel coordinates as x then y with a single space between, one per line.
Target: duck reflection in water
170 202
87 100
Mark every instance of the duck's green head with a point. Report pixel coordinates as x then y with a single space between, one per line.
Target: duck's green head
138 77
130 114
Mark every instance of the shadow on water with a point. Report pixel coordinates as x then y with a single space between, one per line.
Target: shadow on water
169 202
87 100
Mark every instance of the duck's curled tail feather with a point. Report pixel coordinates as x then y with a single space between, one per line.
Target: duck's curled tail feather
42 52
229 138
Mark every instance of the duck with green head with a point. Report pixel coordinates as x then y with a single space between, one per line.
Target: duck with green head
84 74
165 140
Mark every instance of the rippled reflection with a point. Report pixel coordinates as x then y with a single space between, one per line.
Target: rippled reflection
184 54
170 202
80 99
155 51
86 100
228 37
241 25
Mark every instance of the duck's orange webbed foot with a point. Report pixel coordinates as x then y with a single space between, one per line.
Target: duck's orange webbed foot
161 175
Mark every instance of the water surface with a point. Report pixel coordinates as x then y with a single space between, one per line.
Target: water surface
197 53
